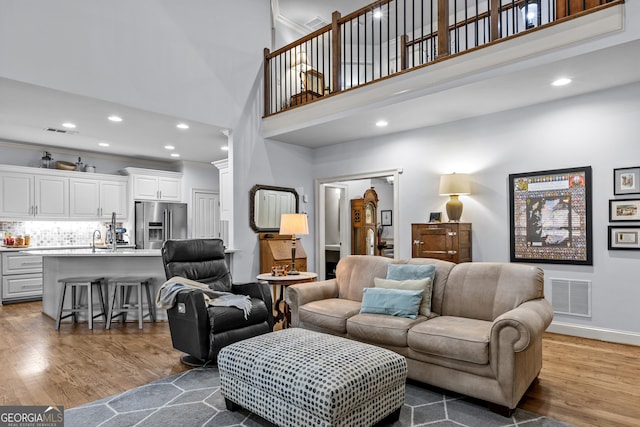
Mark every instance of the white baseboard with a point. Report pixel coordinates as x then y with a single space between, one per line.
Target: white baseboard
602 334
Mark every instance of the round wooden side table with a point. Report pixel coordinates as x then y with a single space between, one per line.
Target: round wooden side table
283 282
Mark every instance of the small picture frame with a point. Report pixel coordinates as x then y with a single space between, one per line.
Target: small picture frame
435 217
386 218
624 210
626 181
624 237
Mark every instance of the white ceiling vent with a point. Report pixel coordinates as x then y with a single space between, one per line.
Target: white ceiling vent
70 132
571 297
316 23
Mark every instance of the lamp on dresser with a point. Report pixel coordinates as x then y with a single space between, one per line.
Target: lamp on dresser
454 185
293 224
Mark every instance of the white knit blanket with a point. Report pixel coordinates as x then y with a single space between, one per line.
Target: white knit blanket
166 296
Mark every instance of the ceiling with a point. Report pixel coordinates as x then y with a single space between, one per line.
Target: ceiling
27 111
34 115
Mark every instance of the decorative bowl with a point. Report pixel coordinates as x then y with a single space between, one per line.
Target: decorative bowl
67 166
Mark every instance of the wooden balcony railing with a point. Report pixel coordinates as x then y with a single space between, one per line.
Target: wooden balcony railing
389 37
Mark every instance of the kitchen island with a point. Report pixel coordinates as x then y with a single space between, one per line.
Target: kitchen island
105 263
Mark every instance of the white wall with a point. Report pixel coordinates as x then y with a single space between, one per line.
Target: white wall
598 130
259 161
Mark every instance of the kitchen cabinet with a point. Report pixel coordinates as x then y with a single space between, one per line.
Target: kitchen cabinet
448 241
29 195
150 184
21 276
98 198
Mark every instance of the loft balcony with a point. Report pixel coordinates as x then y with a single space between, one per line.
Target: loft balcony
397 53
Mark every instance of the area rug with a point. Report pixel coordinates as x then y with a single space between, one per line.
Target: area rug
193 398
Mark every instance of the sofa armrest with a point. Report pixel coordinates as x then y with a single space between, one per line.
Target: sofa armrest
522 325
303 293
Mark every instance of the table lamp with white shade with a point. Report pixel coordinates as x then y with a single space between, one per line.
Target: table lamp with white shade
293 224
454 185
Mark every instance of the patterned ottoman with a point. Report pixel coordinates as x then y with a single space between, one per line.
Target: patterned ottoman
297 377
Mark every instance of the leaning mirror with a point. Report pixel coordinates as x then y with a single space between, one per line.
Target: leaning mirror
267 203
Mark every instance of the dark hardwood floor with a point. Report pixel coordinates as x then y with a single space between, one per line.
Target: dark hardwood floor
583 382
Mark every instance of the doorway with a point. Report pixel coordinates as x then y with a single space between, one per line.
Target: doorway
333 210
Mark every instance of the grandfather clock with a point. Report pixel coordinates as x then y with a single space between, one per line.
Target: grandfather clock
364 223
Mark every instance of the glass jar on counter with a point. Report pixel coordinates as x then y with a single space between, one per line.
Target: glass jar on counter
19 241
27 240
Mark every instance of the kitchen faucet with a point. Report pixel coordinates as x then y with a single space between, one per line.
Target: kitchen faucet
93 241
113 231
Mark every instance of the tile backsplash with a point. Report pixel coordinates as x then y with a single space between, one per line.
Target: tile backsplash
55 233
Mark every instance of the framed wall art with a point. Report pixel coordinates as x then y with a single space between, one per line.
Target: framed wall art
550 216
386 218
624 210
624 237
626 181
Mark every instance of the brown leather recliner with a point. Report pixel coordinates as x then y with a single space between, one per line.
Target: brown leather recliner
201 331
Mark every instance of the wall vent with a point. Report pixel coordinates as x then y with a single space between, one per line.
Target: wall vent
571 297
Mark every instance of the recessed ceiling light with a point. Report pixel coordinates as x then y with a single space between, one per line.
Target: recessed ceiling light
103 144
115 118
561 81
182 126
381 123
175 155
225 148
377 14
69 125
169 147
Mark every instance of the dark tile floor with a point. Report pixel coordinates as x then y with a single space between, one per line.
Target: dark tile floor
193 399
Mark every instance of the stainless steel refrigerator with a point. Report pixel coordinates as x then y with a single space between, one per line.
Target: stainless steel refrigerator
159 221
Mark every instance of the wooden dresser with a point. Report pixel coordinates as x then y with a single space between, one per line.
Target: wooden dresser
448 241
275 249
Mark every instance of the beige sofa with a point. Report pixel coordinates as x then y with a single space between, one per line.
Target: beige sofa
483 339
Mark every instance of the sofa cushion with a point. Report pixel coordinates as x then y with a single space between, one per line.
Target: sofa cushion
381 329
356 272
486 290
394 302
453 337
410 271
331 314
411 285
443 268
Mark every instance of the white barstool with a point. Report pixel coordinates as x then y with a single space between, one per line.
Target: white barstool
76 304
125 304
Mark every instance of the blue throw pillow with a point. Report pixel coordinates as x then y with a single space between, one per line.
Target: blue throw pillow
411 271
394 302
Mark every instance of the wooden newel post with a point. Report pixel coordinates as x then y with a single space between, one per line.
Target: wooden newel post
403 51
267 87
336 49
443 28
494 17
